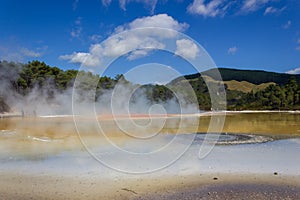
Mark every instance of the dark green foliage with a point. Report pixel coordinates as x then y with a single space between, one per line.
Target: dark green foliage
38 74
285 94
200 90
252 76
273 97
161 93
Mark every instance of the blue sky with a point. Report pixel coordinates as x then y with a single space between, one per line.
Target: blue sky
244 34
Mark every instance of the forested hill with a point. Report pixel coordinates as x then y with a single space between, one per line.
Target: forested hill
245 89
252 76
248 89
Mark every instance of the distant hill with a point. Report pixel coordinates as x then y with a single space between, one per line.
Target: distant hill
245 89
245 86
242 86
252 76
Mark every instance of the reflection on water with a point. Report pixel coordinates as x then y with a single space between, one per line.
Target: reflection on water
49 136
232 139
281 124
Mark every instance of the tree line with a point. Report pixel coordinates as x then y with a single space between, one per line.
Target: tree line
23 78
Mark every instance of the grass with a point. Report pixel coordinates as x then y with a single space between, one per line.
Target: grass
245 86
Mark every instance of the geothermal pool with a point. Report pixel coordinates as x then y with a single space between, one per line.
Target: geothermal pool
47 151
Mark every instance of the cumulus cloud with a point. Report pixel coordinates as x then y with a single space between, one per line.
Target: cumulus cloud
118 46
90 59
142 41
294 71
210 9
232 50
186 48
160 21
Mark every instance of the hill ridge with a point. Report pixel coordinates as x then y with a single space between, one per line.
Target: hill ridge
251 76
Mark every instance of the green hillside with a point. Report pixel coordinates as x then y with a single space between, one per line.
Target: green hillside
245 89
242 86
251 76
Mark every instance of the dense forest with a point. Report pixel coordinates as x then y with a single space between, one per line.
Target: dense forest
283 92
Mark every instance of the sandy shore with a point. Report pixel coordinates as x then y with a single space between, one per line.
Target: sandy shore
197 186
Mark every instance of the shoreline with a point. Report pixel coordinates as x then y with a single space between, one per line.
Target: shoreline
10 115
146 116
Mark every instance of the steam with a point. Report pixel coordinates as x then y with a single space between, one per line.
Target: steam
48 100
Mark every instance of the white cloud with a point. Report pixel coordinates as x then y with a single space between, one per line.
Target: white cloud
213 8
156 21
210 9
142 38
141 41
118 46
253 5
138 54
232 50
159 21
90 59
186 48
287 25
272 10
294 71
